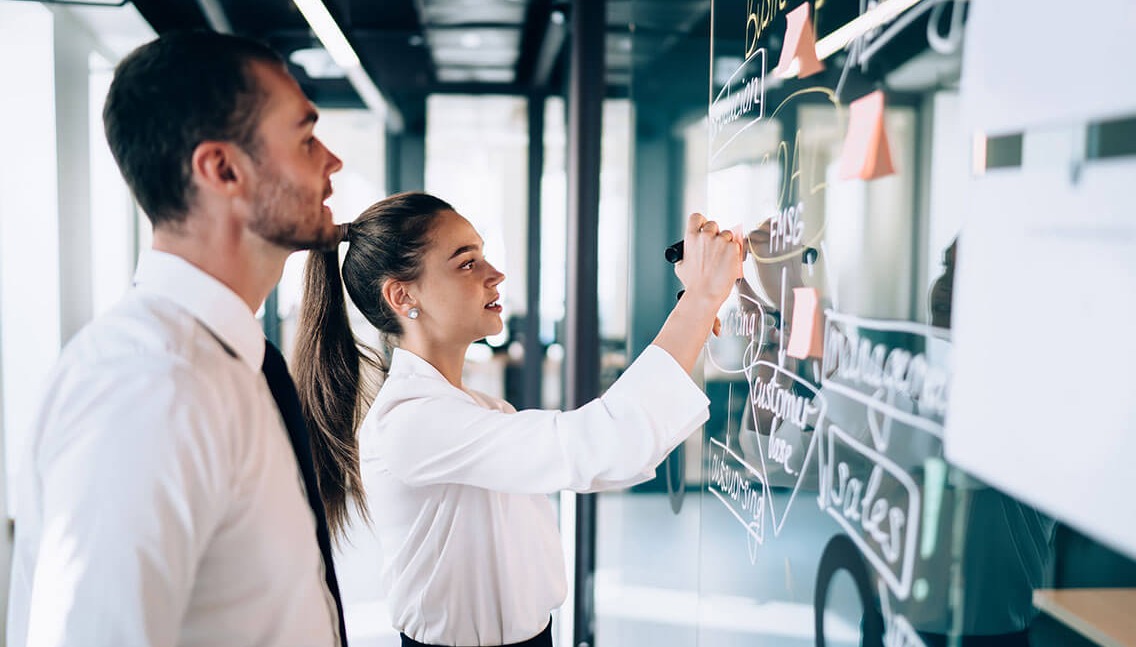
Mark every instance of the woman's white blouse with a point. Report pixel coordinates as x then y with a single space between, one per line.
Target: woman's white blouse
457 485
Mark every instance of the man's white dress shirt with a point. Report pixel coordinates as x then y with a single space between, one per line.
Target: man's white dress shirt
160 502
458 482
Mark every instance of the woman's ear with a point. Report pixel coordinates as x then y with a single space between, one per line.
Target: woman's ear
397 295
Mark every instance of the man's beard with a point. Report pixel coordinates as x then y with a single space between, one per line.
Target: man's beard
279 217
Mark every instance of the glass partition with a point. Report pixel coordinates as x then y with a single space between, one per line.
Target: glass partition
816 507
647 559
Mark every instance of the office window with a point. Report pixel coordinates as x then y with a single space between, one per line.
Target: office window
357 137
29 221
67 222
114 218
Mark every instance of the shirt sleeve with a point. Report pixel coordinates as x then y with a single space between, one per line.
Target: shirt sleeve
432 435
133 471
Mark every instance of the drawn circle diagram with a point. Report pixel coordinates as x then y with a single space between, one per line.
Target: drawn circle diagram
842 555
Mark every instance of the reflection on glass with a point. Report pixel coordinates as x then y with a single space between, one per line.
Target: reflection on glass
826 513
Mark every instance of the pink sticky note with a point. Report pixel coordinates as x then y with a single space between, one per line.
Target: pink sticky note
800 44
806 337
866 153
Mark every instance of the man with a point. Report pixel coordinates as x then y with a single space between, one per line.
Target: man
161 502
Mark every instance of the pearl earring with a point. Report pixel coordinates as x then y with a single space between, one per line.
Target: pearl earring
413 313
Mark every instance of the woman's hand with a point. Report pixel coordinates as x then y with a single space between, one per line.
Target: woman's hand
711 260
711 263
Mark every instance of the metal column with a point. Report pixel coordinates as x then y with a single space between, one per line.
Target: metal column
406 161
532 384
586 92
406 148
72 127
656 222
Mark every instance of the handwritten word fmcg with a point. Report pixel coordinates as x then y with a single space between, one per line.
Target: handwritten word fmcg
787 228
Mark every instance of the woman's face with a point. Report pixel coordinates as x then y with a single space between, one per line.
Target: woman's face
457 291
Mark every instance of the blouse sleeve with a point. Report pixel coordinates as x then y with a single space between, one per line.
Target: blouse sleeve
426 432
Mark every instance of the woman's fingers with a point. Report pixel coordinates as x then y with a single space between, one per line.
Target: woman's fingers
694 223
712 258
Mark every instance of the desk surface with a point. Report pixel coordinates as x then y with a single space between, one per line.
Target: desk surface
1105 616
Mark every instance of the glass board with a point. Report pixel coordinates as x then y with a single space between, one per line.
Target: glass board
816 507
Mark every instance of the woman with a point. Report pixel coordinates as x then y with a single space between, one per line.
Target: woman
457 480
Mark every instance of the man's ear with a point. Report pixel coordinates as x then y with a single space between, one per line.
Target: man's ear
397 296
218 167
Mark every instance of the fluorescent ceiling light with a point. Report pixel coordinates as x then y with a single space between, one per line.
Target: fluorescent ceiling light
317 63
470 40
315 12
321 22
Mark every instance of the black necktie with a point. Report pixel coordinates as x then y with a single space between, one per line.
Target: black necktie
284 392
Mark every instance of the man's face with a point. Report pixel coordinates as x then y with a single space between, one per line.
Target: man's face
293 168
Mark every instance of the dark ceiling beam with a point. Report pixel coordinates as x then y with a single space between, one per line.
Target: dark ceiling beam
675 81
476 87
168 15
532 36
466 26
613 91
358 32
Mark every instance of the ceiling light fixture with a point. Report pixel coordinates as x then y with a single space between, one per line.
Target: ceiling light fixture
321 22
336 44
317 63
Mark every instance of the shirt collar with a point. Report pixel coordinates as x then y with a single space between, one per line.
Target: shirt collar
404 362
211 302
